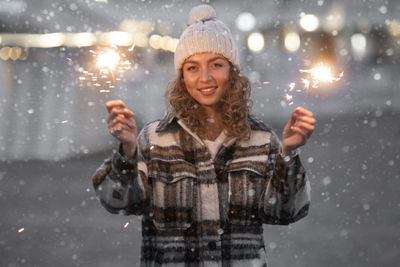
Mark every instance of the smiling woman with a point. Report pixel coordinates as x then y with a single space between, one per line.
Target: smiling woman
231 108
207 81
206 78
207 175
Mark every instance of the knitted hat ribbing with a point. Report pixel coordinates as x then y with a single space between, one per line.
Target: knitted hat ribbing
205 34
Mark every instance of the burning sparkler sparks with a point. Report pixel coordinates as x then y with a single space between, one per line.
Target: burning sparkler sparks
108 63
291 86
321 73
108 60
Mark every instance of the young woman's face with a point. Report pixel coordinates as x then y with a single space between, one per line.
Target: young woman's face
206 77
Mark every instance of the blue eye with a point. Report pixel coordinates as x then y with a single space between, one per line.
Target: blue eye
217 65
190 68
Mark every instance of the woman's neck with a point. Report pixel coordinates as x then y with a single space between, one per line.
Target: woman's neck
214 124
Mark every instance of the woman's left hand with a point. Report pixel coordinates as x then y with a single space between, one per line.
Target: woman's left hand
298 130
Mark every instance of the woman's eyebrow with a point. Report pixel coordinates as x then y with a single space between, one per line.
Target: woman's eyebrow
208 61
190 62
215 58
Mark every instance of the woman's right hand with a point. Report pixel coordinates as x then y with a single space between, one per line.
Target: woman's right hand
122 125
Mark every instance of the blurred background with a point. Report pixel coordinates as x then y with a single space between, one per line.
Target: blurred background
60 61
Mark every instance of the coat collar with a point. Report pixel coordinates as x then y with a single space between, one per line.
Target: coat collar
257 124
166 121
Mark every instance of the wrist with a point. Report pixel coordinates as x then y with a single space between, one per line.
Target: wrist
127 150
288 155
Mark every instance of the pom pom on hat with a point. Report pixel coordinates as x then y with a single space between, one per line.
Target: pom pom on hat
201 13
205 33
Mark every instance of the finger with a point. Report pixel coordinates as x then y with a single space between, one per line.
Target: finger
118 112
129 122
306 119
303 133
115 103
118 129
306 128
122 120
302 111
297 114
292 119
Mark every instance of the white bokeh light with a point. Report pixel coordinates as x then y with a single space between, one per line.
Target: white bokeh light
116 38
359 45
82 39
49 40
245 21
309 22
292 41
255 42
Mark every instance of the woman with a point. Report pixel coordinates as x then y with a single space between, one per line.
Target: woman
208 175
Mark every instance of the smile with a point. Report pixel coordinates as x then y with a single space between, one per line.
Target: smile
208 91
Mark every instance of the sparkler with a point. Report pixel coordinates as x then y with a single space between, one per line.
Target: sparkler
320 74
109 62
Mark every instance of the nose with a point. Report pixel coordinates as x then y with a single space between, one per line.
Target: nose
205 75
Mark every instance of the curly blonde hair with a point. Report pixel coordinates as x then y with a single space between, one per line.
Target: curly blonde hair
236 105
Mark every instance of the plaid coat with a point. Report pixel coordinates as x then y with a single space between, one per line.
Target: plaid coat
202 212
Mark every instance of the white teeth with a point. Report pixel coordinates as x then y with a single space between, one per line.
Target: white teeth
207 89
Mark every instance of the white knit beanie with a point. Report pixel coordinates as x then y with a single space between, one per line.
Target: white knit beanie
205 33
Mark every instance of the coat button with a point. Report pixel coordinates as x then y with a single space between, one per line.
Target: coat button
212 245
